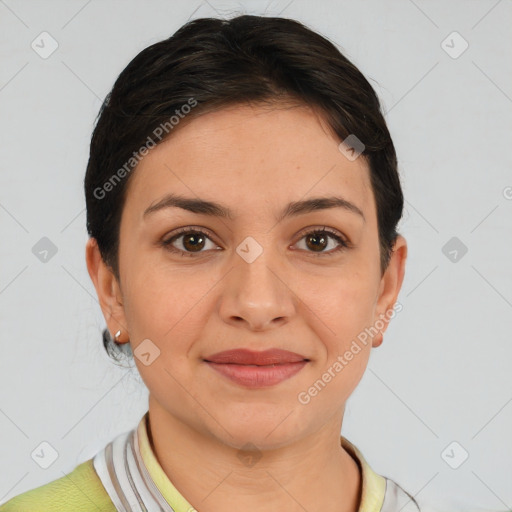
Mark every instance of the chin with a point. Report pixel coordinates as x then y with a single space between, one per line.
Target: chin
258 441
269 430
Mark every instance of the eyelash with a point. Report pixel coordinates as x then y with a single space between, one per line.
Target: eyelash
183 231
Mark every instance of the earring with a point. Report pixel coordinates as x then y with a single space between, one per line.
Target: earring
118 333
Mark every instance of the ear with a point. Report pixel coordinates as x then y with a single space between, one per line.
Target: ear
108 291
390 285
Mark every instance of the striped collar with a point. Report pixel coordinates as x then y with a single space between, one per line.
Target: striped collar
135 480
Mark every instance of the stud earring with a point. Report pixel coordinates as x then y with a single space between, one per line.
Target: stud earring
118 333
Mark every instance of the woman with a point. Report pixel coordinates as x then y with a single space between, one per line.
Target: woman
242 201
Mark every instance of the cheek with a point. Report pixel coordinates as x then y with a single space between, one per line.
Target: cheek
166 305
343 305
344 310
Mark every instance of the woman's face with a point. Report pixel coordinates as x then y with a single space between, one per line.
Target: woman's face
257 279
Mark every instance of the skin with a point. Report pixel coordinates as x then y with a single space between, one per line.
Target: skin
254 160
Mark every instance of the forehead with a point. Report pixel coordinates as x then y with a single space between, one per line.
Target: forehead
245 156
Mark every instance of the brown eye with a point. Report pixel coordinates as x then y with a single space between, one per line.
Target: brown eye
193 241
188 242
318 240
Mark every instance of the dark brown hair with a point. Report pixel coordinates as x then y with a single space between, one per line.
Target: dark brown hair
212 63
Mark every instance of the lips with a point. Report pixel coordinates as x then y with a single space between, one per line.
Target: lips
257 369
248 357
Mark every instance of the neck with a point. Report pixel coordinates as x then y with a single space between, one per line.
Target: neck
313 473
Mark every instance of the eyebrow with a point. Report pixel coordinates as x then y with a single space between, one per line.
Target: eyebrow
202 207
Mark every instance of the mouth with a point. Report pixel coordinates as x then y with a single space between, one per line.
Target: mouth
269 357
257 369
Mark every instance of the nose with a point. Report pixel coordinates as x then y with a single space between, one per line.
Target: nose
257 294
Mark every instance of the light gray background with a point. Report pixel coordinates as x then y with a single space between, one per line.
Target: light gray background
443 372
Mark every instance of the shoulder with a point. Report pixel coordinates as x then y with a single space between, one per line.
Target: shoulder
78 491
